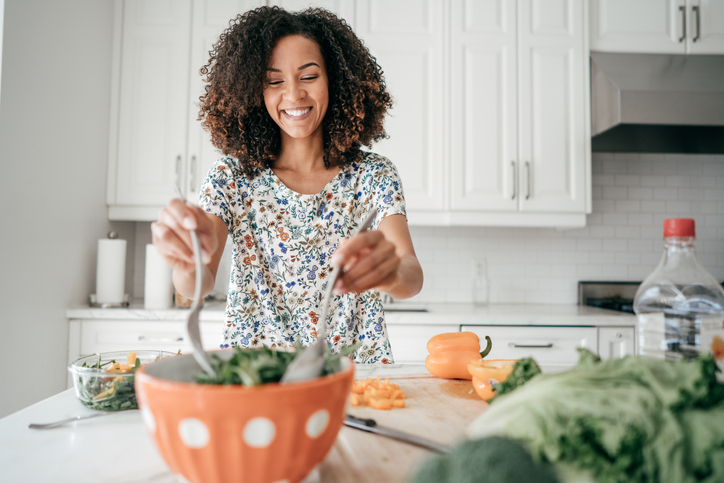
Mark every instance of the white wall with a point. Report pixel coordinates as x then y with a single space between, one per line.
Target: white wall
54 116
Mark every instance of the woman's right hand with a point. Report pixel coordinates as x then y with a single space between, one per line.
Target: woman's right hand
171 235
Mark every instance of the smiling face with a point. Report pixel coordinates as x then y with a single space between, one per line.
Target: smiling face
297 89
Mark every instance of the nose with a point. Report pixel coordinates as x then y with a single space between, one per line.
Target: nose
294 91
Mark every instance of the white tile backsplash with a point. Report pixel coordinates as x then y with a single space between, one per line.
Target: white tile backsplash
632 195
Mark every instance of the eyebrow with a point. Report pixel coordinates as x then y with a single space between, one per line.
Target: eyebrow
309 64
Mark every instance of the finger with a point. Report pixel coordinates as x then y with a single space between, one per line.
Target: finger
168 219
207 235
368 259
185 213
169 245
351 246
382 275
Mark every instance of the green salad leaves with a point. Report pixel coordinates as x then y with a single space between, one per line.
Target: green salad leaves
621 420
261 365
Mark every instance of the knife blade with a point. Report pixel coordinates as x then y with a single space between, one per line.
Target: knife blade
371 426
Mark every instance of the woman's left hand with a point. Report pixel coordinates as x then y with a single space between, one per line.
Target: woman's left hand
368 261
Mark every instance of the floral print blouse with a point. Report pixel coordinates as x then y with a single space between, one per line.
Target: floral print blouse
282 244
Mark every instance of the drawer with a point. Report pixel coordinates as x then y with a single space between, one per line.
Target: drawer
553 348
103 336
409 342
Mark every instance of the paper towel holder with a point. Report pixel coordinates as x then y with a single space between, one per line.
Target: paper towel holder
95 303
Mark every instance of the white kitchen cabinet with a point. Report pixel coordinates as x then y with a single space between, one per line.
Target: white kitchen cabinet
519 138
491 122
407 37
553 348
159 47
616 342
658 26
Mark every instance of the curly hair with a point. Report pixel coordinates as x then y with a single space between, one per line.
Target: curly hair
233 109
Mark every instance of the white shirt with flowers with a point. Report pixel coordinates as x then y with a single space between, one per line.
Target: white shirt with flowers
282 244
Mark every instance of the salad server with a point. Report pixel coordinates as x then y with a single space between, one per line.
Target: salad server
309 363
192 323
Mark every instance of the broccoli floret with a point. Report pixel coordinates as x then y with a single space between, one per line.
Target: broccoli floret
494 459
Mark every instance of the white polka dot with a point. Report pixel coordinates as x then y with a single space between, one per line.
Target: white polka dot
193 432
317 423
148 420
259 432
181 478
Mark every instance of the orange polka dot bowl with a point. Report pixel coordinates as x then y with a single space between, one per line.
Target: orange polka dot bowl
215 433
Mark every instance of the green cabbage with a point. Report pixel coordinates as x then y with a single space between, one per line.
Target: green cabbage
621 420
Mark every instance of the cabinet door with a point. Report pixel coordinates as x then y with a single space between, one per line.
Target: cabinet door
553 154
616 342
406 37
483 108
553 348
210 18
641 26
706 27
106 336
153 94
342 8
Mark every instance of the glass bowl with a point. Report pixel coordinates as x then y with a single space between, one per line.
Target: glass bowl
105 381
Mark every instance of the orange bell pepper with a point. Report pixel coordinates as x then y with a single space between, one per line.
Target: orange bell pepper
451 352
486 374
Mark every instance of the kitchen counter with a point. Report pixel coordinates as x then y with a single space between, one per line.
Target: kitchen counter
401 313
116 448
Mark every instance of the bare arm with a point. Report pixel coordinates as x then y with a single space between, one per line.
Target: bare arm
172 238
383 260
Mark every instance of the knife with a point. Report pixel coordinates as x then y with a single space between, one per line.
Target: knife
370 425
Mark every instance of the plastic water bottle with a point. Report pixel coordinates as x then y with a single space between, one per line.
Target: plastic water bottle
680 306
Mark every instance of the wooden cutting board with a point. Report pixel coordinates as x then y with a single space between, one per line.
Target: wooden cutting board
436 409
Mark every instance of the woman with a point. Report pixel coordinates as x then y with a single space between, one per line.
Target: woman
290 99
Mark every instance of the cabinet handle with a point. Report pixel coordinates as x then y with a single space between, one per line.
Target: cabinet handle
515 180
177 178
682 9
527 175
695 9
192 175
160 339
513 345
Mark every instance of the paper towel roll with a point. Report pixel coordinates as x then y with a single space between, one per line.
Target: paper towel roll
158 286
111 271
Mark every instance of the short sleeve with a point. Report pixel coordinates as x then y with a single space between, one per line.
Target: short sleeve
389 198
218 192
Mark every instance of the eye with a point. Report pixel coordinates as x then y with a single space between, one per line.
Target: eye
310 77
273 82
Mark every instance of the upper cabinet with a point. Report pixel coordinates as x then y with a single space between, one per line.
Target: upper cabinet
490 124
519 142
412 56
658 26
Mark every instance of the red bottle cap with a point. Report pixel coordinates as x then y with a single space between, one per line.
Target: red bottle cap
679 227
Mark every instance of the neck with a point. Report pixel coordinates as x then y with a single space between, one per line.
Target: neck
302 155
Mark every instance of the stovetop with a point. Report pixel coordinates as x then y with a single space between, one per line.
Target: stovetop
617 296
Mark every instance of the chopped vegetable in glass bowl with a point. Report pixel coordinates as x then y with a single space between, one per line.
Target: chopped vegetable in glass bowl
104 381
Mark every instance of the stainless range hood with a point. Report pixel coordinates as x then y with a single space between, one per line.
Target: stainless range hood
657 103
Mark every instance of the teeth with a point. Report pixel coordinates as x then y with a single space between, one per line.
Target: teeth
297 112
